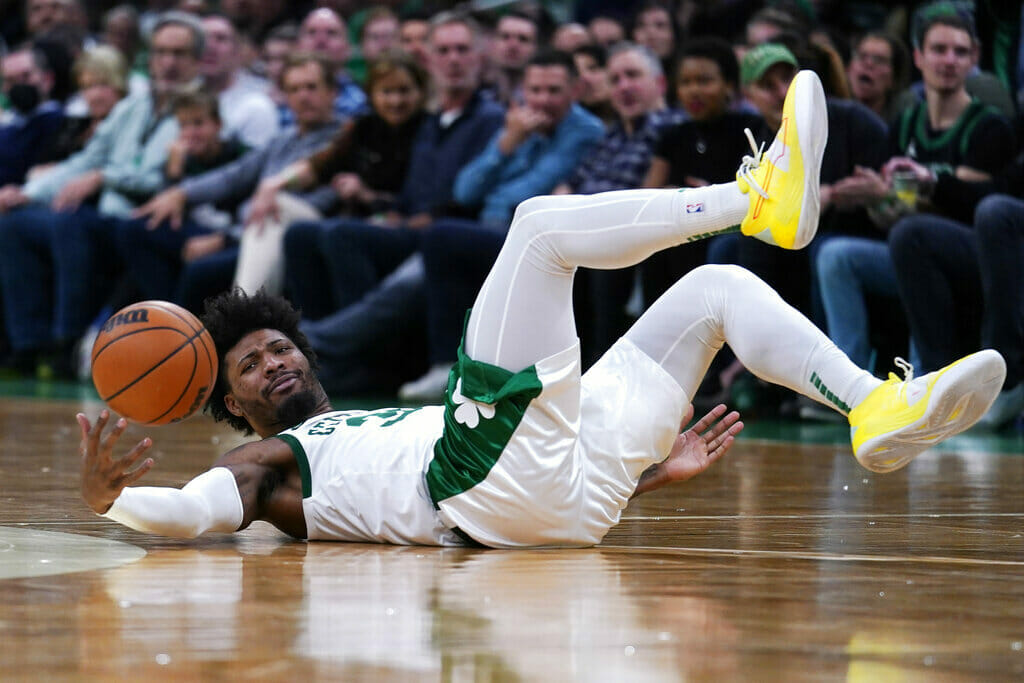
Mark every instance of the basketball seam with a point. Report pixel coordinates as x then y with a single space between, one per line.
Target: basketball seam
188 384
155 366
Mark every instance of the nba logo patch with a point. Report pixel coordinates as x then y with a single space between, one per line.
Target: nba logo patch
697 207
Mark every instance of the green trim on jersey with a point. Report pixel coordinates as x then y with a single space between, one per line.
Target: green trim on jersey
463 457
916 118
302 461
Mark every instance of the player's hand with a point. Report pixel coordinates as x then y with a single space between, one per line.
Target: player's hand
168 206
695 449
103 476
77 191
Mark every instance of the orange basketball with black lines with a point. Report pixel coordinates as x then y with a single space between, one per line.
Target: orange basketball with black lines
154 363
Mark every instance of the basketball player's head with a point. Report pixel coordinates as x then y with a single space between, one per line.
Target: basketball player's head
267 379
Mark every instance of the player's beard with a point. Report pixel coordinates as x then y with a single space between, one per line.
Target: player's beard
297 407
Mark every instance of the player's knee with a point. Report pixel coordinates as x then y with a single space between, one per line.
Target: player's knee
721 273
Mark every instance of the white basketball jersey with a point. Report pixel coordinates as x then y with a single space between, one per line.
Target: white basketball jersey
363 475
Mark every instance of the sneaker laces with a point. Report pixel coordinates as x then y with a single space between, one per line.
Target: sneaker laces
751 163
908 375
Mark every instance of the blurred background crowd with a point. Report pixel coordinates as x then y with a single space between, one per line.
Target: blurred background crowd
365 160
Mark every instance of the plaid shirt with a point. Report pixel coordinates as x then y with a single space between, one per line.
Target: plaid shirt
350 102
620 160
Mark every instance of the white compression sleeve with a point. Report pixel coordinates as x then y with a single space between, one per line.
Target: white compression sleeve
210 502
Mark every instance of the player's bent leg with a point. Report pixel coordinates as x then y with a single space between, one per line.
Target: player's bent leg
717 304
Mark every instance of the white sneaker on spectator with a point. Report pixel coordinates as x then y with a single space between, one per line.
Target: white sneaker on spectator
429 387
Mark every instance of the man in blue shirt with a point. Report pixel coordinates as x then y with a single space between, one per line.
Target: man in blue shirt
540 144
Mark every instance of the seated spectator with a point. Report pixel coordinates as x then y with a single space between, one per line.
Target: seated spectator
247 110
877 73
365 163
700 151
379 33
278 44
200 148
56 250
973 272
32 120
619 162
323 33
947 140
541 142
655 29
101 75
122 32
515 41
412 37
606 31
362 325
595 89
156 239
570 36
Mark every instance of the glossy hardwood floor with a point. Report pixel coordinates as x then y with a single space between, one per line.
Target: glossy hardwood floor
785 562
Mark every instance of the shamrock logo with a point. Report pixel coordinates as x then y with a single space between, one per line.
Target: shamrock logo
469 411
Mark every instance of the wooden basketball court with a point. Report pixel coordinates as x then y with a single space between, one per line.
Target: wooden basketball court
784 562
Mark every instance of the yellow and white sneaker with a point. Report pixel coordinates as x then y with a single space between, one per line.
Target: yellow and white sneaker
899 420
783 183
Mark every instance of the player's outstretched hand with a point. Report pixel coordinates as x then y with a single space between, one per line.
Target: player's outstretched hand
695 449
103 476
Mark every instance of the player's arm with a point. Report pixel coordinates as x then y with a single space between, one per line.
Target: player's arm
213 501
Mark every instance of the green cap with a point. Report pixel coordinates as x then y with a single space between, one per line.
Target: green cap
762 58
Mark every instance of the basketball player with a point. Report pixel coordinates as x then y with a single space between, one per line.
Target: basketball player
525 451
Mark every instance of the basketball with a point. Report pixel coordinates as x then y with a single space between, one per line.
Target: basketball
154 363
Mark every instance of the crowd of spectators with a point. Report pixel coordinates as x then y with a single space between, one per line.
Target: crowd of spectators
365 160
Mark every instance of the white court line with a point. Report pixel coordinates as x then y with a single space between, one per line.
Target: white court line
864 515
825 557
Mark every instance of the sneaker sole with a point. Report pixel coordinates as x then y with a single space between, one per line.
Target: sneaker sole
960 397
812 149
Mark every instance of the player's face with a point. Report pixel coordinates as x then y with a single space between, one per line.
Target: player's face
270 379
702 91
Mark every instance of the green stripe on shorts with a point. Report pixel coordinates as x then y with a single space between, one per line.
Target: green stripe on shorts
464 455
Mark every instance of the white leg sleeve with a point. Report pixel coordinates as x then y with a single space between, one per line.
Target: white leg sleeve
210 502
524 310
714 305
260 256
